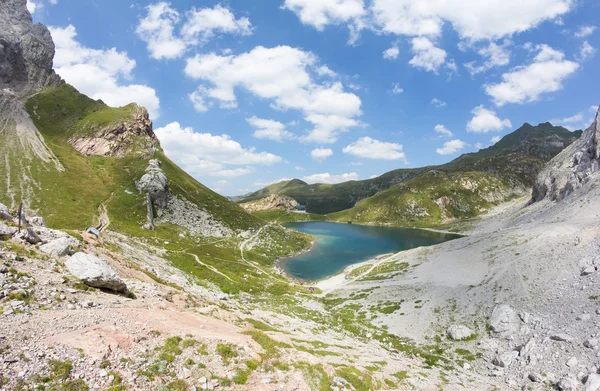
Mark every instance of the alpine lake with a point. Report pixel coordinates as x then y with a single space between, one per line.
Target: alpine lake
340 245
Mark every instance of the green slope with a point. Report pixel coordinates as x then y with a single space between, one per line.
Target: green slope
517 157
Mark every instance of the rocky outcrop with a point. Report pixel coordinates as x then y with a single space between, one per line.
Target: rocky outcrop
274 201
155 183
134 135
94 272
26 51
572 168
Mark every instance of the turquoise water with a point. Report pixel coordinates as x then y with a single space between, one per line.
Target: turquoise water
340 245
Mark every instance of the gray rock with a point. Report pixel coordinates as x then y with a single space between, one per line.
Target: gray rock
459 332
526 349
535 377
572 362
94 272
505 359
588 270
566 384
504 321
58 247
154 182
583 317
37 221
570 169
28 235
590 343
5 213
340 381
6 232
562 337
593 382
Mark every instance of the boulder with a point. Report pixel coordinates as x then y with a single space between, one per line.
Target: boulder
505 359
5 213
561 337
6 232
504 321
588 270
526 349
28 235
593 382
94 272
58 247
459 332
590 343
37 221
572 362
566 384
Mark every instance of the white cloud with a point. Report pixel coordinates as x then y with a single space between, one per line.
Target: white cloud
586 51
438 103
158 28
495 139
298 168
202 154
323 12
324 70
320 154
396 89
391 53
427 55
577 121
269 129
485 120
366 147
283 75
53 2
585 31
526 83
100 74
451 147
31 6
329 178
496 56
441 129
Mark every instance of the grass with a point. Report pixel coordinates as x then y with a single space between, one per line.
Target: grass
227 352
269 345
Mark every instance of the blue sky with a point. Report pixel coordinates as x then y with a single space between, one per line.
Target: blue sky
245 93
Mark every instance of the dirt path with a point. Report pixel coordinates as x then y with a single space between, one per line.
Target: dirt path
103 219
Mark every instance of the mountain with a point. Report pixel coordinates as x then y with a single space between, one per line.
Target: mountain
516 159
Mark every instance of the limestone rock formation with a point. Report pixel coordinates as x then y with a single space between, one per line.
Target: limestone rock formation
94 272
120 137
58 247
274 201
572 168
504 321
458 332
155 183
26 51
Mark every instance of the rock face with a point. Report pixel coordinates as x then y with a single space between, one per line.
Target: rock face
94 272
26 51
119 138
572 168
274 201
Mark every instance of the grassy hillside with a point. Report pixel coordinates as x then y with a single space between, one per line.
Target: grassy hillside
430 199
518 157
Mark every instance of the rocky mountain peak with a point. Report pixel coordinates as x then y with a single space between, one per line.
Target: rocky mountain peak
572 168
26 51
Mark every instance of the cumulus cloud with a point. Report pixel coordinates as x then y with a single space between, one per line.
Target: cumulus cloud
485 120
205 154
496 56
527 83
471 19
577 121
100 74
585 31
324 70
283 75
269 129
329 178
586 51
451 147
396 89
427 55
320 154
442 130
158 28
391 53
366 147
438 103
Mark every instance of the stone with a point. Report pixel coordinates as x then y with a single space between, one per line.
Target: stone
566 384
535 377
572 362
583 317
58 247
593 382
6 232
37 221
590 343
28 235
340 381
505 359
526 349
5 213
459 332
504 321
588 270
94 272
561 337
